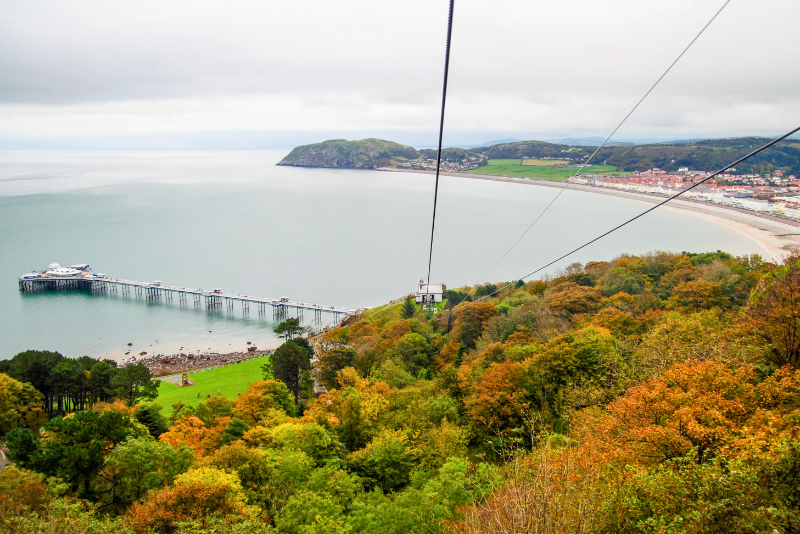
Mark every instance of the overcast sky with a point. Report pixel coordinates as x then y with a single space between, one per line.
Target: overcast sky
533 69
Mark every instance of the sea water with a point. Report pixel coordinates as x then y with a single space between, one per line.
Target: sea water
235 220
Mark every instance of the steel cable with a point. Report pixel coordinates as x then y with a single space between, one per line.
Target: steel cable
570 253
580 170
441 131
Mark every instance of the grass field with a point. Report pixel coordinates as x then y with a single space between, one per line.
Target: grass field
229 380
543 162
513 168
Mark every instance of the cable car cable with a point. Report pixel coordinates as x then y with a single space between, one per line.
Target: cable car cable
579 171
738 161
441 131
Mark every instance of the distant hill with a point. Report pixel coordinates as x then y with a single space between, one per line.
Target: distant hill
705 155
499 142
365 154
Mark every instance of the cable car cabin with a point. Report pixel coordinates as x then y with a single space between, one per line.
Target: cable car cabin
429 293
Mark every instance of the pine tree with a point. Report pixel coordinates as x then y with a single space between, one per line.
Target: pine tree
408 308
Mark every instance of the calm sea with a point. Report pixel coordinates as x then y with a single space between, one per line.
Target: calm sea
234 220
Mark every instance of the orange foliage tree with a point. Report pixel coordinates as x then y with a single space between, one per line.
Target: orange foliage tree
498 400
192 432
773 313
700 408
696 295
470 320
261 397
571 298
163 509
21 492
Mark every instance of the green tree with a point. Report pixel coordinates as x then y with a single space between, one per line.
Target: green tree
288 362
309 512
235 430
100 379
133 383
409 308
386 462
74 447
304 344
34 367
620 279
415 351
136 466
331 362
150 416
351 430
22 446
289 329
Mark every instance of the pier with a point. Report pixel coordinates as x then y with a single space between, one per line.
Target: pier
75 278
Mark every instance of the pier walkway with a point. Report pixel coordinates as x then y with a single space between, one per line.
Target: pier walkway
211 300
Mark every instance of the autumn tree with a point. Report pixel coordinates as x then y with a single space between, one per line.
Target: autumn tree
696 295
499 399
164 509
470 320
19 403
261 397
773 313
22 492
694 407
572 298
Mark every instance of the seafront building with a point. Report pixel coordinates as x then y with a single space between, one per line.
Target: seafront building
752 192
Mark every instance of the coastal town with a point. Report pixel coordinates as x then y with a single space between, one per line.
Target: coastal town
774 194
466 163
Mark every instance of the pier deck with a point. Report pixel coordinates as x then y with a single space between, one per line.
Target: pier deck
210 300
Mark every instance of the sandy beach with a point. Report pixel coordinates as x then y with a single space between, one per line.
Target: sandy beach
766 230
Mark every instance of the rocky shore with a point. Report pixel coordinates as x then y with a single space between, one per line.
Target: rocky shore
169 364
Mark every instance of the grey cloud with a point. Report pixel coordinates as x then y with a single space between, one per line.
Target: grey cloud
575 65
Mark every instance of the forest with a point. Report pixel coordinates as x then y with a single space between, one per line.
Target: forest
649 394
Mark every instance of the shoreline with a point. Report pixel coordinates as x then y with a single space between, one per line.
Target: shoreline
766 230
163 366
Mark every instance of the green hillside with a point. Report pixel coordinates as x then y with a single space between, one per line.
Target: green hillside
364 154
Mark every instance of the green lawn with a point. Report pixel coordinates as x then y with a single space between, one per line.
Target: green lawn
229 380
514 168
